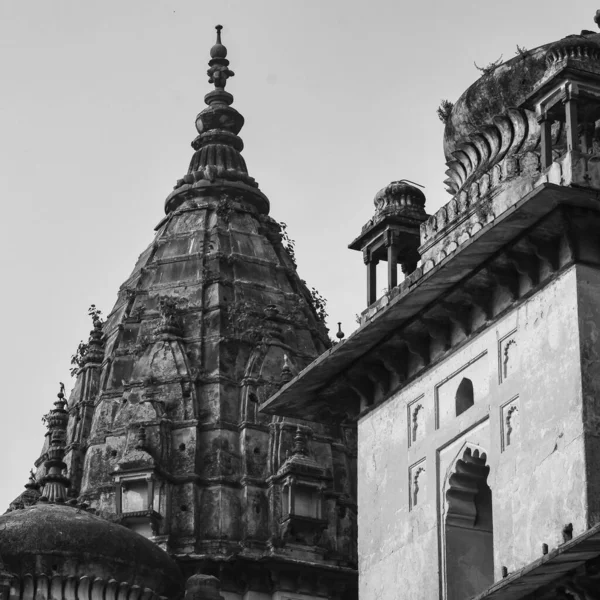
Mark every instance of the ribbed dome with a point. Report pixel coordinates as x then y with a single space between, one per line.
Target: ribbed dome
507 85
58 539
491 95
400 197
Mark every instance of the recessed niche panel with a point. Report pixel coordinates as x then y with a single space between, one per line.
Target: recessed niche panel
416 421
508 356
459 392
417 484
510 423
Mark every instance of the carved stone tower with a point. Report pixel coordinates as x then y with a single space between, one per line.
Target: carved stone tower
475 381
164 434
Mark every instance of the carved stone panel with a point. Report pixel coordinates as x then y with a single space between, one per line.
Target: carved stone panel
510 423
417 484
508 356
416 421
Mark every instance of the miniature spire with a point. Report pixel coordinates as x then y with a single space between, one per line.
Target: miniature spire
54 483
140 443
300 442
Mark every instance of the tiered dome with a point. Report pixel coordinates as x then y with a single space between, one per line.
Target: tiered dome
217 161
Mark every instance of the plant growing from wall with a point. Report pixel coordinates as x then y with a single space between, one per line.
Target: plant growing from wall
288 243
489 68
444 110
319 305
78 359
246 320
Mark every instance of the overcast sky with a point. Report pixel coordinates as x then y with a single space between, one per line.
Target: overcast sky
97 113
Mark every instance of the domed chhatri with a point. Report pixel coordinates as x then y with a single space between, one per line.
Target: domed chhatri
505 132
507 85
392 235
53 539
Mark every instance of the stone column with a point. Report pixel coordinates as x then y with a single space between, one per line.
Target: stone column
546 141
392 261
572 125
371 277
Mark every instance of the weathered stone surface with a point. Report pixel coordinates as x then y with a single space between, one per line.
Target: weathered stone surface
71 542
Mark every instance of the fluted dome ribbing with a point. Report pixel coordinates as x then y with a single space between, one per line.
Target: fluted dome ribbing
400 197
507 85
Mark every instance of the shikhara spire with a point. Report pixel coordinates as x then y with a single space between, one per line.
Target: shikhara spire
217 161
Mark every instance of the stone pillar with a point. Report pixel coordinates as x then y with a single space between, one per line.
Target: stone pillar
371 278
546 141
392 261
203 587
572 125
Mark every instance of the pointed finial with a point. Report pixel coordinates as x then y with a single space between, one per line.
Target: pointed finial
219 71
54 483
340 334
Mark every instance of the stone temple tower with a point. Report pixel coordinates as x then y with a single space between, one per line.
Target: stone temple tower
475 382
164 434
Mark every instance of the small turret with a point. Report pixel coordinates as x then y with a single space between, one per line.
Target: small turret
392 234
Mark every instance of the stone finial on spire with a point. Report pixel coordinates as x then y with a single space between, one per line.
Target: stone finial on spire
54 483
219 72
300 442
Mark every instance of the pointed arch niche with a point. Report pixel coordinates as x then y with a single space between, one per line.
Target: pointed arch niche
468 530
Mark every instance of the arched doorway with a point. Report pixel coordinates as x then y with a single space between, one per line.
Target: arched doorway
468 527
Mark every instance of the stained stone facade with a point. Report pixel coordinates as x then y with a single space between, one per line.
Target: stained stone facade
474 381
163 435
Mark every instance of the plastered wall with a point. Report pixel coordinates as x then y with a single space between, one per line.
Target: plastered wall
527 417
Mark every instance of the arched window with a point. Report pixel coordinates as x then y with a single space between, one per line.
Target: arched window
464 396
469 528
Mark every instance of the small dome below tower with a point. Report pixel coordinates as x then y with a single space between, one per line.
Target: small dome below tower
400 197
54 539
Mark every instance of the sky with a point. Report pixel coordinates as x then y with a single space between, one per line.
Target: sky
97 113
